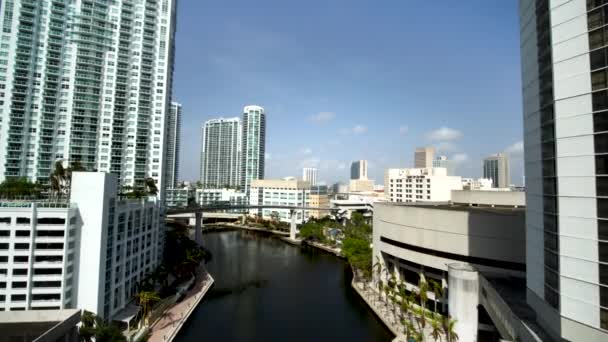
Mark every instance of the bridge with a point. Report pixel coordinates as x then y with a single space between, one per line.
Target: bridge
198 214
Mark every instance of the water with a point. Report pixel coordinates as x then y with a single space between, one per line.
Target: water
267 290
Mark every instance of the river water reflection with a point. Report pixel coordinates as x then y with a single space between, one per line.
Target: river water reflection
267 290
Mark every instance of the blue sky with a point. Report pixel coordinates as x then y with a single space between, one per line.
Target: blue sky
346 79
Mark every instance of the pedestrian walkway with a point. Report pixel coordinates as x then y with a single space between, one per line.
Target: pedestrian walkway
168 325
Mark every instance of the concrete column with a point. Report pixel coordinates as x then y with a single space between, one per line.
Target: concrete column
463 300
292 230
243 219
198 222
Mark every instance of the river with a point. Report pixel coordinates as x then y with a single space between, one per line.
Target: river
267 290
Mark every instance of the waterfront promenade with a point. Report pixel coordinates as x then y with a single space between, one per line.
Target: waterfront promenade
168 325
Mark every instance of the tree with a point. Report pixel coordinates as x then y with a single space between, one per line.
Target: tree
436 330
312 231
437 291
150 186
448 329
15 188
94 327
423 296
358 253
145 299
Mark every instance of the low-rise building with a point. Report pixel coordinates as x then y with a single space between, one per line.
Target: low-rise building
477 184
179 197
280 192
78 253
318 198
221 197
419 185
361 185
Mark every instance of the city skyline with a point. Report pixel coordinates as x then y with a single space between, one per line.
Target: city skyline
363 110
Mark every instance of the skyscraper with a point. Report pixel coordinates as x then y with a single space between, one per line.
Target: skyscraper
563 49
88 82
496 168
309 174
253 145
443 161
174 124
423 157
358 169
220 153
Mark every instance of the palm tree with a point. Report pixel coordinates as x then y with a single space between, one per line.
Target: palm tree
146 298
58 178
448 329
423 296
437 290
150 186
436 330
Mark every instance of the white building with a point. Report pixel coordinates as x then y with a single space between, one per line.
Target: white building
253 145
97 96
221 153
174 126
423 157
563 58
179 197
477 184
220 196
358 169
83 254
310 174
282 192
419 185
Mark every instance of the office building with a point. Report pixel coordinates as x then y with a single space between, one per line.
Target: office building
477 184
253 145
221 196
318 198
441 241
360 185
220 153
444 162
423 157
180 197
310 174
496 168
419 185
174 123
289 192
563 54
79 253
358 169
98 96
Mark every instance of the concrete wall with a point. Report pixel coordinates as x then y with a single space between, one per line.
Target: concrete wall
491 234
489 198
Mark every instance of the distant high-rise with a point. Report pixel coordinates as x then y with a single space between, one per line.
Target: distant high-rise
173 144
87 82
358 169
563 58
253 145
496 168
220 153
443 161
310 174
423 157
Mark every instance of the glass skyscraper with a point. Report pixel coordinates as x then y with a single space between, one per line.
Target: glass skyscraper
253 145
174 124
85 81
220 153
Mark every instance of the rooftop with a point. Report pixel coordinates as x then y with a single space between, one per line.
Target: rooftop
459 207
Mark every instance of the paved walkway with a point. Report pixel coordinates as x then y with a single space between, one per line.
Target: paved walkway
168 325
386 313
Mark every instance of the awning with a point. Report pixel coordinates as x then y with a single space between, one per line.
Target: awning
127 314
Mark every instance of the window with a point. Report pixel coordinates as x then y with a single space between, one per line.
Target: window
23 220
601 143
47 284
51 220
47 271
50 233
6 220
46 296
20 271
22 233
18 297
19 284
551 260
600 121
22 246
21 258
603 251
600 100
601 165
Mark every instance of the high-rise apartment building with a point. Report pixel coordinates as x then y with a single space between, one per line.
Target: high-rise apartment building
419 185
88 82
358 169
220 153
310 174
564 56
253 145
174 124
444 162
496 168
423 157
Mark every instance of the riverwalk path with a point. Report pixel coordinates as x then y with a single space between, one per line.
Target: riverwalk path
168 325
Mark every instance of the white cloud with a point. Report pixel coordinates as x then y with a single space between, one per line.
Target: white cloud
323 116
306 150
460 157
445 146
359 129
403 129
516 148
444 133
